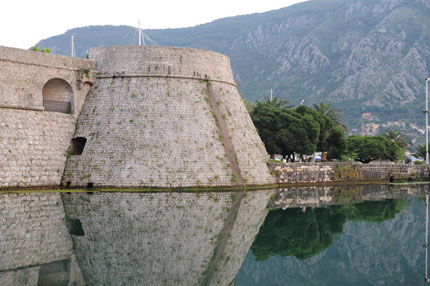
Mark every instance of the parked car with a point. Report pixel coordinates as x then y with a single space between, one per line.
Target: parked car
316 156
413 159
278 157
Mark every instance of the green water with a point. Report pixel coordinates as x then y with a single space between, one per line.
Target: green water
369 243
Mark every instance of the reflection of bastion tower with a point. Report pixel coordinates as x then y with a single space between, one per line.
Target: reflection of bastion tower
162 117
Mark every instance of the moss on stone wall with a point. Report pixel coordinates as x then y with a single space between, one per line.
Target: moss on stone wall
347 172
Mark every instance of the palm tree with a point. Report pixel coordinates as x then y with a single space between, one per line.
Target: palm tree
398 137
420 151
278 102
335 114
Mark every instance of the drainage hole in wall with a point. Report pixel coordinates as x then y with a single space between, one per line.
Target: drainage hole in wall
78 145
75 227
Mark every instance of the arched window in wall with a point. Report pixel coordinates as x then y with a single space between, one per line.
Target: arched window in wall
57 96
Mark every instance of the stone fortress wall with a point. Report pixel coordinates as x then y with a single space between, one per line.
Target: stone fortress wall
154 117
330 172
151 117
33 141
165 117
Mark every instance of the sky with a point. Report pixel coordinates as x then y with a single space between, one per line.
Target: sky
23 23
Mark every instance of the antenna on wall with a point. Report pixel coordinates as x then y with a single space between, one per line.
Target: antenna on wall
141 38
72 47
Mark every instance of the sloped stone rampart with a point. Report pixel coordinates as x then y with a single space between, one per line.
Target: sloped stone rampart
155 117
151 122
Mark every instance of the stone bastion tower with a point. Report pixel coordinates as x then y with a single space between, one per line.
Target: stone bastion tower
164 117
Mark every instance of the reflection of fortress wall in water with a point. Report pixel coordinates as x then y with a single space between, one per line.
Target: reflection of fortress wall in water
35 245
322 196
163 238
155 116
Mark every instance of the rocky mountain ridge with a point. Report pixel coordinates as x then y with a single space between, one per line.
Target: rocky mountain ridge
353 53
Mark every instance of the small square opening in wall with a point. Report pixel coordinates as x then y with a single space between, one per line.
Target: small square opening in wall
78 145
75 227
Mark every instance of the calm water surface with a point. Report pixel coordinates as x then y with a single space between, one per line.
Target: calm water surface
356 235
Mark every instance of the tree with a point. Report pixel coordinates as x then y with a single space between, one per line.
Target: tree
278 102
369 148
41 49
325 124
334 114
420 150
248 105
285 131
398 137
336 143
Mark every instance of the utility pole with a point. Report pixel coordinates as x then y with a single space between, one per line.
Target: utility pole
141 38
427 120
72 48
363 127
270 95
391 117
140 35
426 245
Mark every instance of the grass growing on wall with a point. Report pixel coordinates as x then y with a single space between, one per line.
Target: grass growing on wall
349 171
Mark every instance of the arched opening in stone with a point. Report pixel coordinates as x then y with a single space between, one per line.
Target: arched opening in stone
78 145
57 96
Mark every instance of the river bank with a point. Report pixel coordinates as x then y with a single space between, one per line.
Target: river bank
340 172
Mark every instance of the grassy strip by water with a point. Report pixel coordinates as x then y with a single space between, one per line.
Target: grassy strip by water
143 190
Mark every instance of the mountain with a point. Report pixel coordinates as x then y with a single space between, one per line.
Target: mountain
353 53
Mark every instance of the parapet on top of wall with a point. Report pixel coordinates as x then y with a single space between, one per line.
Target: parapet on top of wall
162 61
27 78
43 59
